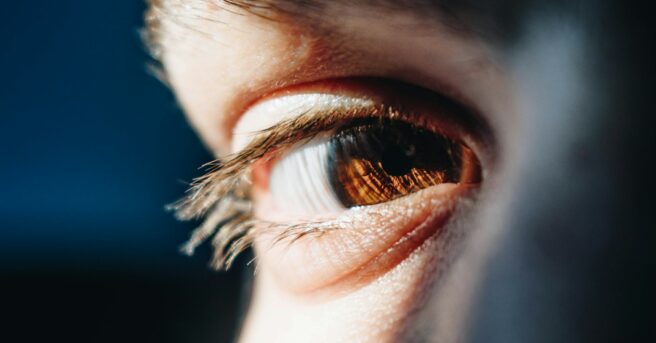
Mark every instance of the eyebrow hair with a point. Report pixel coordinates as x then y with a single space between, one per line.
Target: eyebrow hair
492 19
160 11
300 8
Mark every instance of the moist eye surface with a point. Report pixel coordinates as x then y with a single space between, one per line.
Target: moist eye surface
368 161
377 160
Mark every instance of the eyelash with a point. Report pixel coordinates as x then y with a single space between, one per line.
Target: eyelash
222 195
223 192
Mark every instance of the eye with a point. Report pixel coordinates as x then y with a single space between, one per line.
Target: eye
366 162
370 173
336 183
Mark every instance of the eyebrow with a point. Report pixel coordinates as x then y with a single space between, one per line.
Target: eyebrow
491 19
304 9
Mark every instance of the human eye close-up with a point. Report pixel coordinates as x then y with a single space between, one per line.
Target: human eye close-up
329 171
353 177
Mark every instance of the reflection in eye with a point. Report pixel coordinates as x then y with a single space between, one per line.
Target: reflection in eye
368 161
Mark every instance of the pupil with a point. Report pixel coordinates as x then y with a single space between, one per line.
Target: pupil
396 161
376 160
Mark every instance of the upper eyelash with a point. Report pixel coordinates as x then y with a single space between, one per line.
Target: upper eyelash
223 178
222 194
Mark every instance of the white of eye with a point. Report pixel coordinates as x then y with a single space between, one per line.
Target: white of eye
300 184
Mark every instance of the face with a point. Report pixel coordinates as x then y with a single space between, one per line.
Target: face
404 171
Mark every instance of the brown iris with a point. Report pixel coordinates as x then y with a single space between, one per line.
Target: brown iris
377 160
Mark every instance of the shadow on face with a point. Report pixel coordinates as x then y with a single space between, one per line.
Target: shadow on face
556 247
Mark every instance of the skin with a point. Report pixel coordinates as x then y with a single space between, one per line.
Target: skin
531 85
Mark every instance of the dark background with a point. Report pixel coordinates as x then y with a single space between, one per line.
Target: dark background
92 149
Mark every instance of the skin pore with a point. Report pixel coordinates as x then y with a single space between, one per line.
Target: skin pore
221 60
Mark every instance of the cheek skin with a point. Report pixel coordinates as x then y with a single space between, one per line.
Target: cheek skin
368 243
302 294
377 312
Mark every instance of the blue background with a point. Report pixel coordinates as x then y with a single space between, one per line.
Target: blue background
92 149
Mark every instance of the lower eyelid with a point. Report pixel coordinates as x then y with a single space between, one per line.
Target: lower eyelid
371 241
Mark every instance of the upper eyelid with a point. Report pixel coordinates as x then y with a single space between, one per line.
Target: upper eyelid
266 114
224 175
214 107
198 22
353 96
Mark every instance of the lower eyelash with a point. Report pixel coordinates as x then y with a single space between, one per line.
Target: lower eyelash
227 222
223 194
232 229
